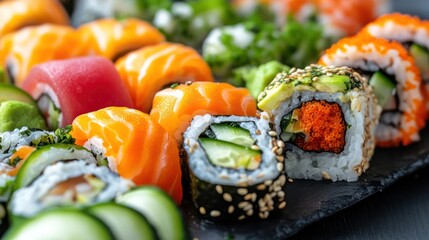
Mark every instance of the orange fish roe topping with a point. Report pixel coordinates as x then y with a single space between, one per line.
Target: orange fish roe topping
323 125
396 18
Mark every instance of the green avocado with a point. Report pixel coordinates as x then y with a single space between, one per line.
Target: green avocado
15 114
275 96
331 84
257 78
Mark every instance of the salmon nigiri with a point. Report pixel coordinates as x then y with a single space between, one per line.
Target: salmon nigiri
21 13
136 146
112 38
21 50
152 68
174 108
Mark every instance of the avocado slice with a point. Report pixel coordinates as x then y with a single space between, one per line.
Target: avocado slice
10 92
292 122
233 134
421 57
275 96
331 84
15 114
384 88
229 155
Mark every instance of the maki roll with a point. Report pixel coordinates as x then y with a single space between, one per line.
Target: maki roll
90 83
175 107
18 14
21 50
72 183
396 82
134 145
150 69
411 32
327 118
235 166
112 39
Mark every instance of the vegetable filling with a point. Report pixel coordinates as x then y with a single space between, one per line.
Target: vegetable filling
231 146
51 112
316 126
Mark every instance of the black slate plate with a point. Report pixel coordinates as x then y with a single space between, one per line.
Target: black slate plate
310 201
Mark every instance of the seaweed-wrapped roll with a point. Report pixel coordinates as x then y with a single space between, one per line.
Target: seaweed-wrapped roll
235 166
327 117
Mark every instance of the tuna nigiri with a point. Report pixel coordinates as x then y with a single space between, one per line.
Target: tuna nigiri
152 68
112 38
136 146
174 108
21 50
65 89
21 13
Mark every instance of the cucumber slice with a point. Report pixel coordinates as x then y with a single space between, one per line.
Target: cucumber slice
47 155
230 155
10 92
421 57
60 224
125 223
290 122
159 209
384 88
232 134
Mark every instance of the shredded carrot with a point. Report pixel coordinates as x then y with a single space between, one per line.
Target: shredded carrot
323 125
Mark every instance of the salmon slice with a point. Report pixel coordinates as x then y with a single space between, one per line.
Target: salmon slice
21 50
174 108
139 147
20 13
112 38
153 68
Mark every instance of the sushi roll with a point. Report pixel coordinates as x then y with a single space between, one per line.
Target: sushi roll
150 69
112 38
411 32
327 117
134 145
396 82
90 83
72 183
235 166
174 108
21 50
15 15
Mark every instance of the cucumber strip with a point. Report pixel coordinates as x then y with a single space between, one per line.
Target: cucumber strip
47 155
60 224
52 113
158 208
9 92
384 88
232 134
125 223
230 155
421 57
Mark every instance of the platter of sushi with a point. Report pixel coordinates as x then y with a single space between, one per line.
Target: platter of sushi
203 119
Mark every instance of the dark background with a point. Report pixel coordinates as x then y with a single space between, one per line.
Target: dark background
399 212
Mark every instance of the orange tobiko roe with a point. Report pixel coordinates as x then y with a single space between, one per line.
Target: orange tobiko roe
323 125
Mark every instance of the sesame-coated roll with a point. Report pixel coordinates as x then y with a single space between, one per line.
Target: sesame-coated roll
327 117
411 32
396 82
235 166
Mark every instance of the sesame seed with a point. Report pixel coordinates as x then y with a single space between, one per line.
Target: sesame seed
281 194
231 209
263 209
214 213
242 184
282 180
248 196
260 175
223 176
250 212
282 205
273 194
248 207
279 151
219 189
268 182
191 150
241 217
277 188
272 133
275 149
290 180
315 79
280 143
325 175
243 204
280 158
258 132
260 187
254 196
202 210
261 203
279 167
227 197
255 147
242 191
